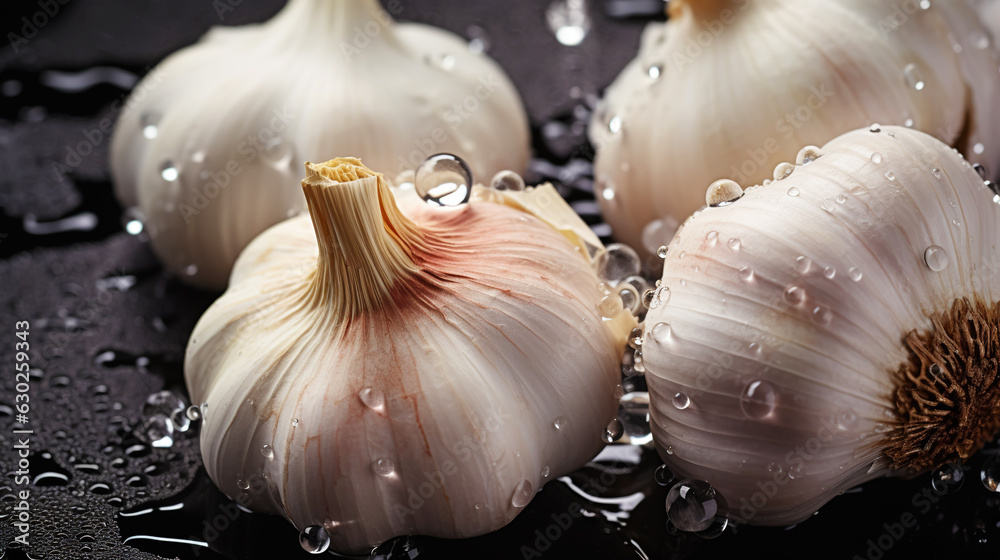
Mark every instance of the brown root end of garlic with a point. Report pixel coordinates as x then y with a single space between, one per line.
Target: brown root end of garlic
948 393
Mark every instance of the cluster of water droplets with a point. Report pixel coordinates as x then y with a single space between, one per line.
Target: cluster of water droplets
166 414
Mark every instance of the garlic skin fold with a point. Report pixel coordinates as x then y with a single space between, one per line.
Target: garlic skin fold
831 327
210 151
731 88
410 369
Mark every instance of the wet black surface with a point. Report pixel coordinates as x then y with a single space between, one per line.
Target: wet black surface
108 327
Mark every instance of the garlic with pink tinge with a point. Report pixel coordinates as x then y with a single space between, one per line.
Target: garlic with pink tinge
384 369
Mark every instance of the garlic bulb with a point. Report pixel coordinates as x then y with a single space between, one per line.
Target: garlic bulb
209 151
426 373
730 88
834 326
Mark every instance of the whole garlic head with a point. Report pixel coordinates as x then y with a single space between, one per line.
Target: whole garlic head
731 88
831 327
209 151
391 370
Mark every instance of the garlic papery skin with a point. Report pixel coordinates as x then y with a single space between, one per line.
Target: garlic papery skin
413 369
731 88
831 327
210 145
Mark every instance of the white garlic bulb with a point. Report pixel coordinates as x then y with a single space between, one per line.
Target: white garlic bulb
210 151
730 88
426 373
831 327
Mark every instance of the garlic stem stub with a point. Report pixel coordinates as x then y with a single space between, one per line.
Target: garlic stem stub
833 326
409 368
210 167
731 88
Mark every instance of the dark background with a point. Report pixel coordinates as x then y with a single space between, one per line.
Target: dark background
109 326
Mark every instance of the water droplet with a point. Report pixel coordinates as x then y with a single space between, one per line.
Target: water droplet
980 40
372 398
383 466
821 315
278 153
758 399
723 193
523 493
875 128
794 191
158 431
734 244
615 124
947 478
133 220
855 274
794 295
150 126
936 258
841 198
808 155
828 205
890 175
569 21
546 471
314 539
990 475
925 4
803 264
191 269
663 475
629 297
613 431
681 401
978 148
618 262
507 181
560 422
180 420
711 238
936 172
610 306
981 170
661 333
444 180
194 413
876 158
654 71
169 171
295 421
913 77
607 189
267 451
746 274
662 251
783 170
830 272
693 505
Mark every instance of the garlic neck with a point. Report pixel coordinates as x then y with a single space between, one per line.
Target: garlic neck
702 10
340 19
365 242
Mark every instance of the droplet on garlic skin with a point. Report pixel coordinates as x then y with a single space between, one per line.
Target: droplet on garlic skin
444 180
794 295
169 171
383 466
808 155
523 493
783 170
681 401
267 451
746 274
507 181
613 431
913 77
734 244
372 398
876 158
936 258
981 170
560 422
723 193
758 399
